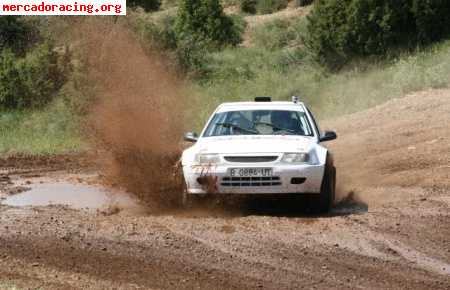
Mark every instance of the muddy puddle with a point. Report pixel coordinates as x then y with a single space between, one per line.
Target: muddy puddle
76 196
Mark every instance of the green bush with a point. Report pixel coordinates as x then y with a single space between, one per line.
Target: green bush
191 56
196 57
205 21
147 5
32 80
301 3
340 30
239 25
16 34
279 33
432 19
274 35
248 6
156 33
270 6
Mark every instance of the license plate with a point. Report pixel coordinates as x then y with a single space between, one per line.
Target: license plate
251 172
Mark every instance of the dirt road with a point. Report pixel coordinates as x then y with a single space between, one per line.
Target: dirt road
391 232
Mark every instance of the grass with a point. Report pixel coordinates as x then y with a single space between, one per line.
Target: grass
279 68
270 6
8 286
53 130
279 33
356 90
243 73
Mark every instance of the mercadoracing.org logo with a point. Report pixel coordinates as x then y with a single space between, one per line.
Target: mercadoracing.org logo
63 7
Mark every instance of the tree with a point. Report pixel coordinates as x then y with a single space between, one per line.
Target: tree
13 33
205 21
339 30
32 80
248 6
147 5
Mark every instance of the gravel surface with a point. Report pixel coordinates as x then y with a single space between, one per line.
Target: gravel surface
391 229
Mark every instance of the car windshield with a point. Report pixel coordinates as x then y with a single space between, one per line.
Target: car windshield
259 122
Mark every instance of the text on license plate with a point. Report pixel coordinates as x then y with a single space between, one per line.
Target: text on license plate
251 172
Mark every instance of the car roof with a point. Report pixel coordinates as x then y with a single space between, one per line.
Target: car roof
234 106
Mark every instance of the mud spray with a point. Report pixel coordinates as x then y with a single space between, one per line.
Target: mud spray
137 118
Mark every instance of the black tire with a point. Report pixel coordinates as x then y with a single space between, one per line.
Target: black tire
325 200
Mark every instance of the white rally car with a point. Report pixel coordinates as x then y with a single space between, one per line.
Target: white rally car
260 147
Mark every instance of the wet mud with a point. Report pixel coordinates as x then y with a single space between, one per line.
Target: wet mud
388 230
136 122
77 196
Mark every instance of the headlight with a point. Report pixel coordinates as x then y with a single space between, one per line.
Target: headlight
295 158
208 158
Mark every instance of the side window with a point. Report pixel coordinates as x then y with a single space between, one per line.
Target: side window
213 129
315 123
303 123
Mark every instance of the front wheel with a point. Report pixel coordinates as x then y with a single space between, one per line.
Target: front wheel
328 188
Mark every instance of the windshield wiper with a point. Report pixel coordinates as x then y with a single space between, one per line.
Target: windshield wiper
231 125
276 127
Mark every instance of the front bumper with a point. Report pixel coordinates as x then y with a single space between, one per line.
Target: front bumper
220 182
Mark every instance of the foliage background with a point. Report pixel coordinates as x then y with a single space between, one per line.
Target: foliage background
345 56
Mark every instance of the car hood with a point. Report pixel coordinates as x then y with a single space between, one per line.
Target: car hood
254 144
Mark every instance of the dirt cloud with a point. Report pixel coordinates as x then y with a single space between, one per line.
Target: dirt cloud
136 121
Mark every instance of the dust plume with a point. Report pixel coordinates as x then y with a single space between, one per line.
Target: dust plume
137 118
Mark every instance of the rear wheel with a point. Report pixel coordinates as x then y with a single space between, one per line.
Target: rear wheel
325 200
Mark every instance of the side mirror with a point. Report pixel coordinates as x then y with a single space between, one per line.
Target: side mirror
328 136
191 137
